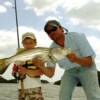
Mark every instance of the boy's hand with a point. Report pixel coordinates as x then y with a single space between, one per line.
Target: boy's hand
22 70
38 62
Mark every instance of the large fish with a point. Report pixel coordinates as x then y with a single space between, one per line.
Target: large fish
46 54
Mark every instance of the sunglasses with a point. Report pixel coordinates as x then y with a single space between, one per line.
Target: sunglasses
53 29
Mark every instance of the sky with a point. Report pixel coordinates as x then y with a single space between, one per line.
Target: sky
76 15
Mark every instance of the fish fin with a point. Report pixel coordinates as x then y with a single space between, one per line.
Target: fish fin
3 66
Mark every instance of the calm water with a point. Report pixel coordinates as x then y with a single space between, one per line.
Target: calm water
51 92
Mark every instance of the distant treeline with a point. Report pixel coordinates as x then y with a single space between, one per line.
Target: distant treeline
79 84
2 80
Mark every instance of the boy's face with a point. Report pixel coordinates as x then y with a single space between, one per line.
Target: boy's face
29 43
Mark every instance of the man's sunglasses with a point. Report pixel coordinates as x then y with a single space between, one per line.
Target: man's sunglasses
53 29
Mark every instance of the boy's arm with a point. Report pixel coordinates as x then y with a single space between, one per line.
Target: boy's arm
34 73
31 73
48 71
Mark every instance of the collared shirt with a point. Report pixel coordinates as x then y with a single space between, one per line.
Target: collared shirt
78 43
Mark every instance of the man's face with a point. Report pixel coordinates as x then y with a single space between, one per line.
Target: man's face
29 43
55 33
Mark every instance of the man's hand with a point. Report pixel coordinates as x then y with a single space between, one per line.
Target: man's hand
84 61
72 57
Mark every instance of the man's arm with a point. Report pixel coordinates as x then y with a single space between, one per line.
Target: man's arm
84 61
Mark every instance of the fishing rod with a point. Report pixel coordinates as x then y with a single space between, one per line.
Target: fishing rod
17 29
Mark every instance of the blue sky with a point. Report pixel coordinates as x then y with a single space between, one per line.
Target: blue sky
76 15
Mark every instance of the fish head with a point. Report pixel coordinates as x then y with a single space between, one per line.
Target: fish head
59 53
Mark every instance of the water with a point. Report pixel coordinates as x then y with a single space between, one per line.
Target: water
51 92
8 91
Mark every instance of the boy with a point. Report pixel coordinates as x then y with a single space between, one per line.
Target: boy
31 81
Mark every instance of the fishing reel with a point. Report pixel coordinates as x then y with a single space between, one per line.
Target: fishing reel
16 74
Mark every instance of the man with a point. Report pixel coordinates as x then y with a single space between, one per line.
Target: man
79 65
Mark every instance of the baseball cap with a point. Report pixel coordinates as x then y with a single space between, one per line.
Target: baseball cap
28 35
51 23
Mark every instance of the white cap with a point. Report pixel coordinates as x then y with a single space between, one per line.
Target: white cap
28 35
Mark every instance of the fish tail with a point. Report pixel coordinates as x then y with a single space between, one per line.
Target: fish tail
3 66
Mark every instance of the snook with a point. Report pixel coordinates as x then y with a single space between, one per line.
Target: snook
46 54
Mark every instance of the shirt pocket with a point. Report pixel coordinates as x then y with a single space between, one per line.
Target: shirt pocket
70 43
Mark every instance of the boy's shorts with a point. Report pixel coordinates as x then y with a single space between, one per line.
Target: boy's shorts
31 94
